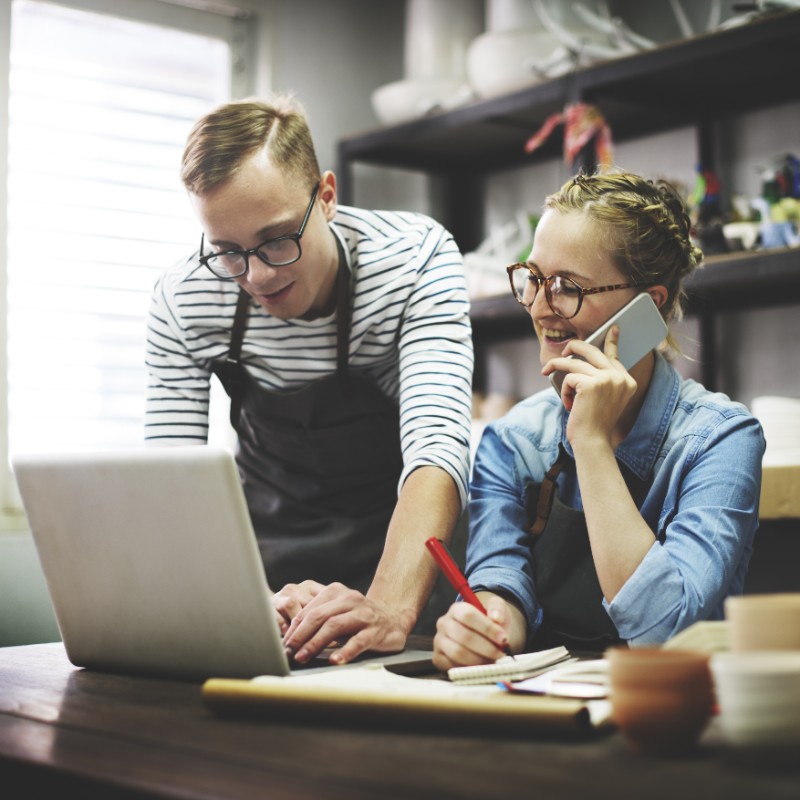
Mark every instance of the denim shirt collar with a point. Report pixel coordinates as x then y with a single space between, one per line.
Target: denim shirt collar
641 446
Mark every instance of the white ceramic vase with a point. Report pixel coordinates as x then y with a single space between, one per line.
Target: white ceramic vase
437 34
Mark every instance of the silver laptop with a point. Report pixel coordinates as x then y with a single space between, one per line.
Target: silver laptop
151 563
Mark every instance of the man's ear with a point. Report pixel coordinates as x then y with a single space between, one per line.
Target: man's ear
659 294
326 196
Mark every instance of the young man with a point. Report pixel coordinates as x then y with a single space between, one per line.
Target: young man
343 339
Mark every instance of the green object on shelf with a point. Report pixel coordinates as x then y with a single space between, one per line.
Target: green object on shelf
533 219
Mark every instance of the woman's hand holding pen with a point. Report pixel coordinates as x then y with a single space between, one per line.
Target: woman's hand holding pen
465 636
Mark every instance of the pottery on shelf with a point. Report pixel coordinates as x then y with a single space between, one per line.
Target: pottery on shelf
405 100
500 62
437 33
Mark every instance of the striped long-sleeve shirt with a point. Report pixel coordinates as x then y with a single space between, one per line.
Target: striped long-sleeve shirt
410 332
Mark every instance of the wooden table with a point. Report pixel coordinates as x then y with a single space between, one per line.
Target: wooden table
74 733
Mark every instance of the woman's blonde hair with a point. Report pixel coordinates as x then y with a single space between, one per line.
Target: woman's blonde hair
645 227
221 140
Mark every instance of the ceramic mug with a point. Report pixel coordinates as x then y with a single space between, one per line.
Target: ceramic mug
661 700
763 621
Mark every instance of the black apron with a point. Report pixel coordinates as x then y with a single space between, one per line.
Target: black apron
564 574
319 465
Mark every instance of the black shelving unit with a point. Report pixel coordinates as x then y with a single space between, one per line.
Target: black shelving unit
696 81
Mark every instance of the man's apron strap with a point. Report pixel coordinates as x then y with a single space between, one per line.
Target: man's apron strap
235 381
235 385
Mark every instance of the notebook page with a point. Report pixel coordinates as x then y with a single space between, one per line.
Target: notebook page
509 668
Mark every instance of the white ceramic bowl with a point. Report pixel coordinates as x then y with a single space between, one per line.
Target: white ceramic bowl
741 235
759 697
410 99
770 732
752 695
758 668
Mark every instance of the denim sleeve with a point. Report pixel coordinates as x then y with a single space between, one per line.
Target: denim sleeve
703 552
498 553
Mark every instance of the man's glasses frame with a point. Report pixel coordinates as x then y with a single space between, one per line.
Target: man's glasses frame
257 251
559 281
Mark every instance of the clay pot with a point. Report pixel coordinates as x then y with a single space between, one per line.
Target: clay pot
661 700
764 621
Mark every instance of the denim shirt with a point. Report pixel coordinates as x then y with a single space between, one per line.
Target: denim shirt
698 455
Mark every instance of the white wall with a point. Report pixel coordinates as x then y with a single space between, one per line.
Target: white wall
333 55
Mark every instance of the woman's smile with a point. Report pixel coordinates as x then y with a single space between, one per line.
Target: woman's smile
556 337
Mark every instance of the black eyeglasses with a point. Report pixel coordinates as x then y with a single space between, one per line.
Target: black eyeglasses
278 252
563 295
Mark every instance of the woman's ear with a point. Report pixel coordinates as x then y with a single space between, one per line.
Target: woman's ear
659 294
326 196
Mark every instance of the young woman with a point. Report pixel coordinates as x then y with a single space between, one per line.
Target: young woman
625 509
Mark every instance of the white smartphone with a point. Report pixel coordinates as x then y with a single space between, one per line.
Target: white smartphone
641 328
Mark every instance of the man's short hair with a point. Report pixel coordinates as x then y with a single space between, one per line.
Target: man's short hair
221 140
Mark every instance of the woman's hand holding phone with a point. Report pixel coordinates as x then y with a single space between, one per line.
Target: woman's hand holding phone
642 327
592 376
596 391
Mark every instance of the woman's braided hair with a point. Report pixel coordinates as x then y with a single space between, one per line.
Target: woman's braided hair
644 224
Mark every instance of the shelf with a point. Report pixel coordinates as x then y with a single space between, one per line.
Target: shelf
673 85
746 280
726 283
696 82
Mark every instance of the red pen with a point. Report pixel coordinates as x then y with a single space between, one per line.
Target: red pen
441 555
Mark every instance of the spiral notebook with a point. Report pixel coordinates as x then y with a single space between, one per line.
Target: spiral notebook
509 668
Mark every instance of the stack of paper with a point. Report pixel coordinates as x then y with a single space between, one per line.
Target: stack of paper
584 680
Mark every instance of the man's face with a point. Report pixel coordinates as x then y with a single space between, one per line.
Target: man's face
261 202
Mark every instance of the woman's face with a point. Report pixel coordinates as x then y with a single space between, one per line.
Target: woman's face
570 245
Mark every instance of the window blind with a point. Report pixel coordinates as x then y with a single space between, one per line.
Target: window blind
99 110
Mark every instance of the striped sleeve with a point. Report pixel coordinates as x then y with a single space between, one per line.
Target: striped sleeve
177 398
436 363
411 328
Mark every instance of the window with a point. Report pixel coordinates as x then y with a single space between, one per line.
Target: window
98 113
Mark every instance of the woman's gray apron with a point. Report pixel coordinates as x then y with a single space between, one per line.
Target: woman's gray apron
319 466
564 574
